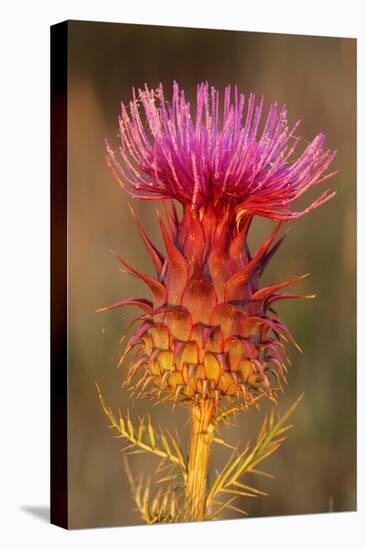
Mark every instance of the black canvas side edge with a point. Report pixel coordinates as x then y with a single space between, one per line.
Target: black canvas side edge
59 477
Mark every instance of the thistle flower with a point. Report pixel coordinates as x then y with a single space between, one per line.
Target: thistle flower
209 332
209 162
210 329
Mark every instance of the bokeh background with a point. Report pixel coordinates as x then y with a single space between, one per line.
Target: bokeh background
315 470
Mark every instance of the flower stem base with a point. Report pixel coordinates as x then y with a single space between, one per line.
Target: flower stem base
201 440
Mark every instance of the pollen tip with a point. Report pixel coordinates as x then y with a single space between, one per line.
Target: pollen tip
299 348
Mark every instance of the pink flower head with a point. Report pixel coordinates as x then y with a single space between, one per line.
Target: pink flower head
219 156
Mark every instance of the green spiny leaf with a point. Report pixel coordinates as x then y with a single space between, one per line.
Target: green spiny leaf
269 439
144 437
222 442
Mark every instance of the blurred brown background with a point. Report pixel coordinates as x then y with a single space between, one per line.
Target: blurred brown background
315 470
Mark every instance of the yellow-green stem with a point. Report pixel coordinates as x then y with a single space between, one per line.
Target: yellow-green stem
201 439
